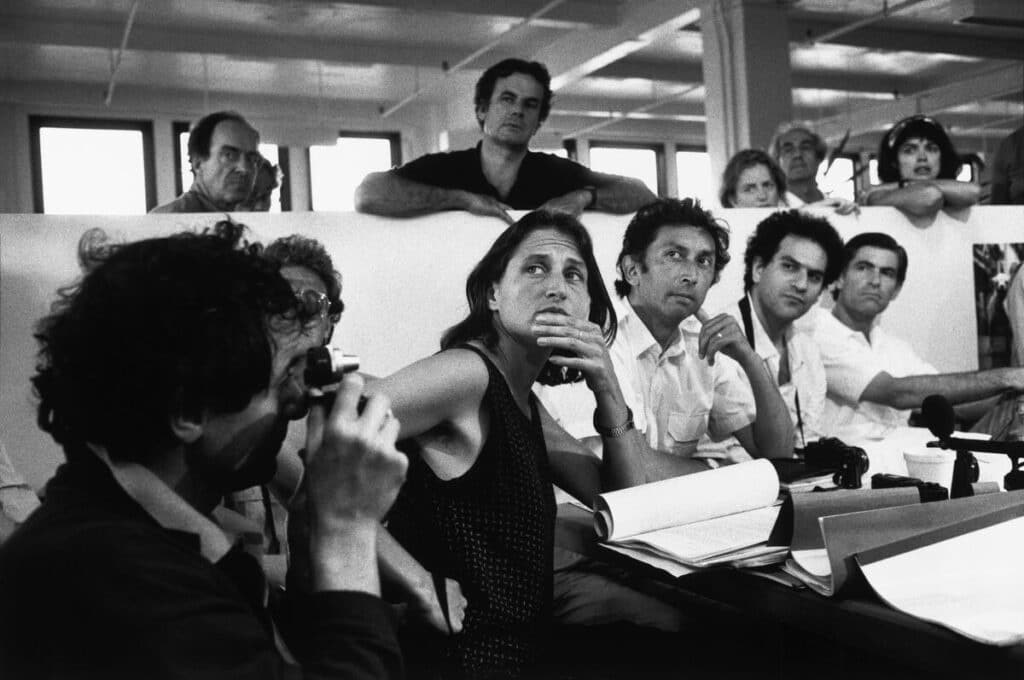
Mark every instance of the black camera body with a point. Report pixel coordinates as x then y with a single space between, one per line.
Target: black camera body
829 453
327 366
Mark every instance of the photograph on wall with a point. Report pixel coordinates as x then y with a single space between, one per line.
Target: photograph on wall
998 295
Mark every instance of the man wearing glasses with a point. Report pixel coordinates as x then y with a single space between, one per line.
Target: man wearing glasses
307 266
223 150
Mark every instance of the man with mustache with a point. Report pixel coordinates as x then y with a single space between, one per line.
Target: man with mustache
685 377
874 379
512 100
223 150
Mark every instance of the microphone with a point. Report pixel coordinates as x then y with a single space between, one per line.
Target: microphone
937 414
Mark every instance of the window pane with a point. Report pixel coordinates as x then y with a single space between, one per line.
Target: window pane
838 181
966 173
269 152
336 171
639 163
92 172
693 170
873 172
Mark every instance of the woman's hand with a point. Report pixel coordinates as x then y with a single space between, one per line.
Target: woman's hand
425 606
578 344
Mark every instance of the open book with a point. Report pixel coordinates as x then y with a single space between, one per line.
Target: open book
722 516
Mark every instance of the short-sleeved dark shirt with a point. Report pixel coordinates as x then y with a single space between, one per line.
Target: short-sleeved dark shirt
542 176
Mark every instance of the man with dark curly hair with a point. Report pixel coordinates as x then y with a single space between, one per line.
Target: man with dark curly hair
168 373
686 377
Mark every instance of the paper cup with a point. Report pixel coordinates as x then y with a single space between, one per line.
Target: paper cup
931 466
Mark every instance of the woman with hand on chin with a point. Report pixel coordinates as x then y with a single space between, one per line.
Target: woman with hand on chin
478 506
918 164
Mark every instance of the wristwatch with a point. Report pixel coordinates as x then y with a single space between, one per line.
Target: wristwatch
618 430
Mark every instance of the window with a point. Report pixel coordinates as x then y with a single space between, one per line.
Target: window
642 161
271 152
694 178
839 180
92 166
336 171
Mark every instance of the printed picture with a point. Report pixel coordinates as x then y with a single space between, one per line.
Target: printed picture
996 290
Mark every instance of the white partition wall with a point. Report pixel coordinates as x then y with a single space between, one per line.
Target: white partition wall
404 284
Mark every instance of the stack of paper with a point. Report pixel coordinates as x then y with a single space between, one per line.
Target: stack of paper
722 516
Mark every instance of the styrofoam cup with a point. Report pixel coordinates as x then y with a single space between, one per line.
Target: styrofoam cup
931 466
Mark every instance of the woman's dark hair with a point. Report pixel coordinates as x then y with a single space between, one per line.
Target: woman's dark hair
768 235
479 324
922 127
503 69
180 324
643 229
741 160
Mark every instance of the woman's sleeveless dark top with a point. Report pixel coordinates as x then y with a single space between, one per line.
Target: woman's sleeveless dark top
492 530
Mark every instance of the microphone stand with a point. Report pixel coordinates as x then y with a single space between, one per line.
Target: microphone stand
965 469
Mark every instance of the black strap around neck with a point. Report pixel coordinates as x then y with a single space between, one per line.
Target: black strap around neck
748 329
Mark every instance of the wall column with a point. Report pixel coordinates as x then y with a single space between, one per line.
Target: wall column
746 75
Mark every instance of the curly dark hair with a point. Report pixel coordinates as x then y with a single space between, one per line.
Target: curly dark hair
479 324
764 242
300 251
643 229
503 69
923 127
180 324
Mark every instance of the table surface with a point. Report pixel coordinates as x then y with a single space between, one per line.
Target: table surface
856 621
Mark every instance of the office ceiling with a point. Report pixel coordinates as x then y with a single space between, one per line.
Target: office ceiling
637 61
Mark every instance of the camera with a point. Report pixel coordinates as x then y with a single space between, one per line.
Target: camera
327 366
832 454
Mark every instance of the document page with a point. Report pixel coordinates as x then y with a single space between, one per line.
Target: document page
709 538
685 499
969 583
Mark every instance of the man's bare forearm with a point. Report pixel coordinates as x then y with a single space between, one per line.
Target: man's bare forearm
619 195
388 194
910 391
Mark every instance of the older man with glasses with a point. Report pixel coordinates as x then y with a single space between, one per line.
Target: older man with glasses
307 266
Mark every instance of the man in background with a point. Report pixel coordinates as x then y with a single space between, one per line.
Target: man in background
223 152
513 99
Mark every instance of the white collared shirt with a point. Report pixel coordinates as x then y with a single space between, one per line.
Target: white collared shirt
806 374
675 396
851 363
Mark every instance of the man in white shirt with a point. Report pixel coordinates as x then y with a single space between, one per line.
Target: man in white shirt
791 257
873 377
682 378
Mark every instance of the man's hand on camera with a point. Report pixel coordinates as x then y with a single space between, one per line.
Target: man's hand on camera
353 474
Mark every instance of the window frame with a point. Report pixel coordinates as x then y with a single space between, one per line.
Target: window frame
37 122
659 157
394 138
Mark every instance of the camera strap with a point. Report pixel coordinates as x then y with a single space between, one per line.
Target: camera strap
748 330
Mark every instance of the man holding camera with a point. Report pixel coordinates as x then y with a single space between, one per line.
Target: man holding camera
168 374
